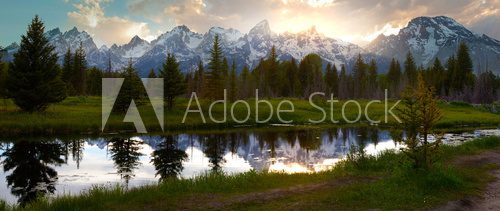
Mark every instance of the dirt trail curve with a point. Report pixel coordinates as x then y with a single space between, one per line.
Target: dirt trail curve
490 200
269 195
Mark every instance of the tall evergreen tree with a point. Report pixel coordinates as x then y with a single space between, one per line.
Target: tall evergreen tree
225 72
233 89
152 74
451 64
199 77
131 89
359 75
485 90
372 79
3 77
394 78
410 70
437 76
174 84
464 76
329 78
272 74
79 71
214 83
244 90
67 71
343 83
94 81
294 86
34 79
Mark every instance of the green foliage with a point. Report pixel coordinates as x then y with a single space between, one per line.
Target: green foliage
79 77
233 88
132 89
4 69
152 74
419 115
359 75
410 70
310 74
214 83
174 84
34 80
94 81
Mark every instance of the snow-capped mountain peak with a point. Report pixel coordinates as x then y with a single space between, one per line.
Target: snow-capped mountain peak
428 38
261 28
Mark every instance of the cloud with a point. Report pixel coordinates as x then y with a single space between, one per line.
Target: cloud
358 21
90 16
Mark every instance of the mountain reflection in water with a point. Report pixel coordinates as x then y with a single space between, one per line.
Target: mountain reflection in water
39 167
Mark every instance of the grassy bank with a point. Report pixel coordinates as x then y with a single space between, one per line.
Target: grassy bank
382 182
83 115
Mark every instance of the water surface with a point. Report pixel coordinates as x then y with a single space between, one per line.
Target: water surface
56 166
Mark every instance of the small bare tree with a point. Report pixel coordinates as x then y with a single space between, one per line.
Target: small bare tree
419 115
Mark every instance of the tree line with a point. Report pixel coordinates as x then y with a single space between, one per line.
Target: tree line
34 79
454 80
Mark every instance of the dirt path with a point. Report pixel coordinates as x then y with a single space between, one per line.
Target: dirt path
214 202
490 199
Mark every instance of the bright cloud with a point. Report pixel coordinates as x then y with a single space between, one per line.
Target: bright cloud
90 16
358 21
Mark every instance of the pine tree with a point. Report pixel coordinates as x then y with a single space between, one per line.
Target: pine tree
464 76
233 89
272 74
245 81
485 90
225 72
131 89
110 65
174 84
293 87
152 73
394 78
199 77
343 83
79 71
359 75
419 113
451 73
94 81
329 78
310 74
437 76
67 71
372 78
3 77
410 70
214 84
34 79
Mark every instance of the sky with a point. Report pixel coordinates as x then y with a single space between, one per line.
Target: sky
356 21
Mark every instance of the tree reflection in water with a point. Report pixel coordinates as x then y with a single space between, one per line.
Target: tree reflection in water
214 149
31 175
125 153
168 158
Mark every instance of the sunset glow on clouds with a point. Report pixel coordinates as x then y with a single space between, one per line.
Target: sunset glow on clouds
357 21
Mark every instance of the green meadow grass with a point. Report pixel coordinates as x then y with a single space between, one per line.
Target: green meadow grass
397 186
83 115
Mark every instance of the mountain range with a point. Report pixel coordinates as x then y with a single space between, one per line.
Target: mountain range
426 37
